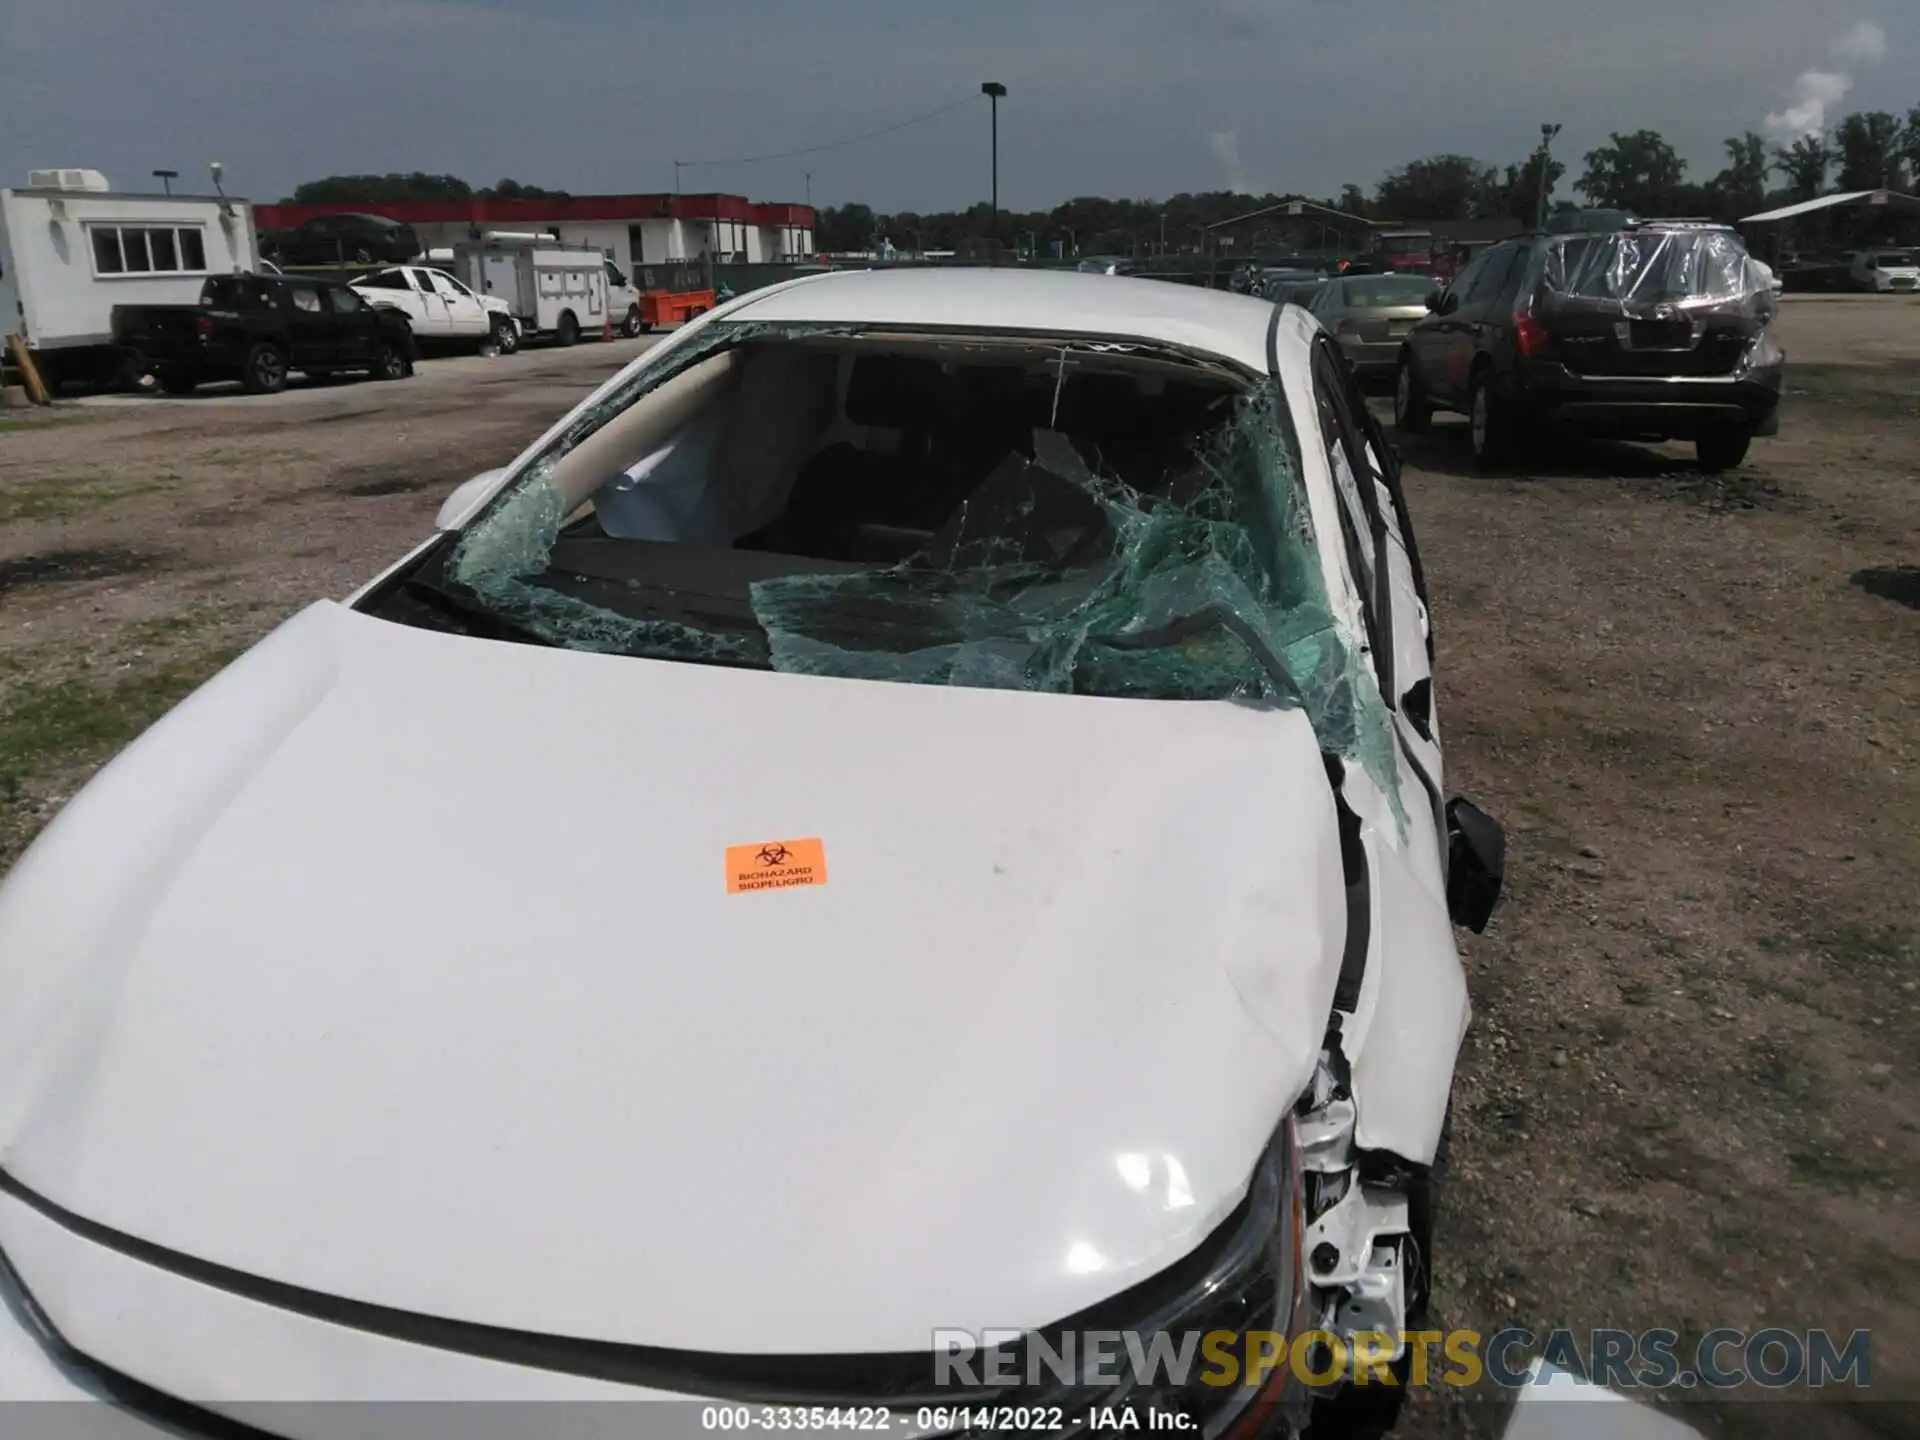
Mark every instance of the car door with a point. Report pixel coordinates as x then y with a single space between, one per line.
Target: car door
423 308
305 242
467 318
1434 339
1489 305
356 328
311 340
1468 323
1496 300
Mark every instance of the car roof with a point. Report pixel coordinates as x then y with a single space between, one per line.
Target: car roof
1009 301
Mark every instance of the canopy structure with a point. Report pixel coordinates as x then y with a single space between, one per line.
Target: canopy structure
1894 201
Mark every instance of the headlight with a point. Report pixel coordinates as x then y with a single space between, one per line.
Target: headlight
1223 1318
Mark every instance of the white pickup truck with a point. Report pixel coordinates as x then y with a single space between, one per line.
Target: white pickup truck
440 308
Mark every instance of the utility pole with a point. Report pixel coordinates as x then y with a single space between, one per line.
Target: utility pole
993 90
676 177
1547 132
809 189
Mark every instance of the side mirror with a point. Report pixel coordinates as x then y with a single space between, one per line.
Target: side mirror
1476 863
466 499
1433 300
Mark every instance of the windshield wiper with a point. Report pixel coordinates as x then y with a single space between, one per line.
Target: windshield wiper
500 627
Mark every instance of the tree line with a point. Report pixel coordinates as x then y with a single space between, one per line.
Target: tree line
385 189
1637 171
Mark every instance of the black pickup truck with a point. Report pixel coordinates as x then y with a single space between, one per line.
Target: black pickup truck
258 328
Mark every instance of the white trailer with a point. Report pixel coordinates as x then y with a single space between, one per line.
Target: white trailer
551 290
71 248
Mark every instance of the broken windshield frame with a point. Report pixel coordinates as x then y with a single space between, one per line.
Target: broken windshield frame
1219 596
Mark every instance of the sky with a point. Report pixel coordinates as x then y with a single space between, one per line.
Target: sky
1138 98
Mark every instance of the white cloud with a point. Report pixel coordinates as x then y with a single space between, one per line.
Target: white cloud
1225 145
1864 43
1814 93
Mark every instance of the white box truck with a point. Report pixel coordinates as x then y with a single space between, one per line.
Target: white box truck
72 248
551 290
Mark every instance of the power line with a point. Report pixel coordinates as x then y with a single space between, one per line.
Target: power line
833 144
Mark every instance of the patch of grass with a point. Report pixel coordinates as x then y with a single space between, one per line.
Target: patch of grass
19 424
1762 988
45 727
61 497
181 625
1636 992
64 566
1782 1072
1833 1167
1855 945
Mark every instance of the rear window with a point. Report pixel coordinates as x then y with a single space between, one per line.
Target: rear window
1380 291
1649 265
237 292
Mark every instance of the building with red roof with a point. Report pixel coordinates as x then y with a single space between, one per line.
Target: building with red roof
631 230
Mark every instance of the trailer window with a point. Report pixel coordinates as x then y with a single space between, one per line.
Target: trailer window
106 251
148 250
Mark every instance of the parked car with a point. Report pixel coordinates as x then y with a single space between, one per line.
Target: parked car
1286 285
441 309
257 329
1656 332
1371 315
1046 886
1883 271
346 239
1296 292
1106 265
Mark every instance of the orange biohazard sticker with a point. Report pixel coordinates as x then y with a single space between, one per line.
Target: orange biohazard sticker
776 865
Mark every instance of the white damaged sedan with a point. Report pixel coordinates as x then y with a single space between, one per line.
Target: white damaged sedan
906 830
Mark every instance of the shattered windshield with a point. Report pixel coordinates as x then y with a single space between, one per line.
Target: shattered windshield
1062 516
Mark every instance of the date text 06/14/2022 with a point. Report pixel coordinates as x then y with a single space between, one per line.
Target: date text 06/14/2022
934 1419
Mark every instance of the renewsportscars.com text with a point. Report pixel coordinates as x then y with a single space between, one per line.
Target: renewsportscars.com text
1725 1359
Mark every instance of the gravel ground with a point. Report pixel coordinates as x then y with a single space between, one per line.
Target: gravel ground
1689 1096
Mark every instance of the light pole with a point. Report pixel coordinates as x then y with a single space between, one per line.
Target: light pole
166 178
993 90
809 189
1547 132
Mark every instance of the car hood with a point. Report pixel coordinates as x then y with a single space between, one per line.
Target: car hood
400 966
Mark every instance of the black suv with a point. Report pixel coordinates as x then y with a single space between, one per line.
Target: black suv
1650 331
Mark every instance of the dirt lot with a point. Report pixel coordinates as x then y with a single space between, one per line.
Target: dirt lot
1689 1097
